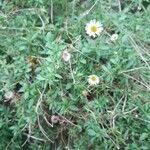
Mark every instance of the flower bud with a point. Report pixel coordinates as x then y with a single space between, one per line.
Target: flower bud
54 119
66 56
9 95
114 37
85 93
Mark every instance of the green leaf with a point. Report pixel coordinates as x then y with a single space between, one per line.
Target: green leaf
91 132
74 108
68 86
58 76
83 61
143 136
49 37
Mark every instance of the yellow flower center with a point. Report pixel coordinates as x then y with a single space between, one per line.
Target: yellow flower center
93 78
93 28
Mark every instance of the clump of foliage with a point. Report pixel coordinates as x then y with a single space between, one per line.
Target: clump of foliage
47 103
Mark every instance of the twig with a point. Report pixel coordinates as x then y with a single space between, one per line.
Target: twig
138 51
52 12
130 111
71 72
68 120
40 99
130 70
145 85
39 102
118 104
47 121
124 104
43 24
8 145
113 115
12 28
147 121
42 130
37 107
92 113
142 47
85 55
119 5
24 127
26 9
88 11
113 120
68 143
62 137
28 137
117 146
66 28
36 138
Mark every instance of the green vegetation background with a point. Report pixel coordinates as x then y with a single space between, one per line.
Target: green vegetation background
115 114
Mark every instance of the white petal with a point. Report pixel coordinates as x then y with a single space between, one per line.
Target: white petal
98 24
94 21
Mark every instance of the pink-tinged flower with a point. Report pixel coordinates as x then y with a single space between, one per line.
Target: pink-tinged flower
9 95
54 119
66 55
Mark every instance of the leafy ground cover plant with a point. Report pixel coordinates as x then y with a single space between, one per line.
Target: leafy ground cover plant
74 74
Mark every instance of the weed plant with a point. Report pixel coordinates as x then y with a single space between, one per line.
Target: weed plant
47 103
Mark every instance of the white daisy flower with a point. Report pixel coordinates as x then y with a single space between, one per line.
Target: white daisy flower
94 28
93 80
114 37
66 56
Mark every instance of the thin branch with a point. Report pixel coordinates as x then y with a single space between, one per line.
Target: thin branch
35 138
134 69
40 99
68 120
28 137
145 85
43 24
118 104
47 121
119 5
26 9
147 121
88 11
124 104
85 55
138 51
43 131
130 111
71 72
52 12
